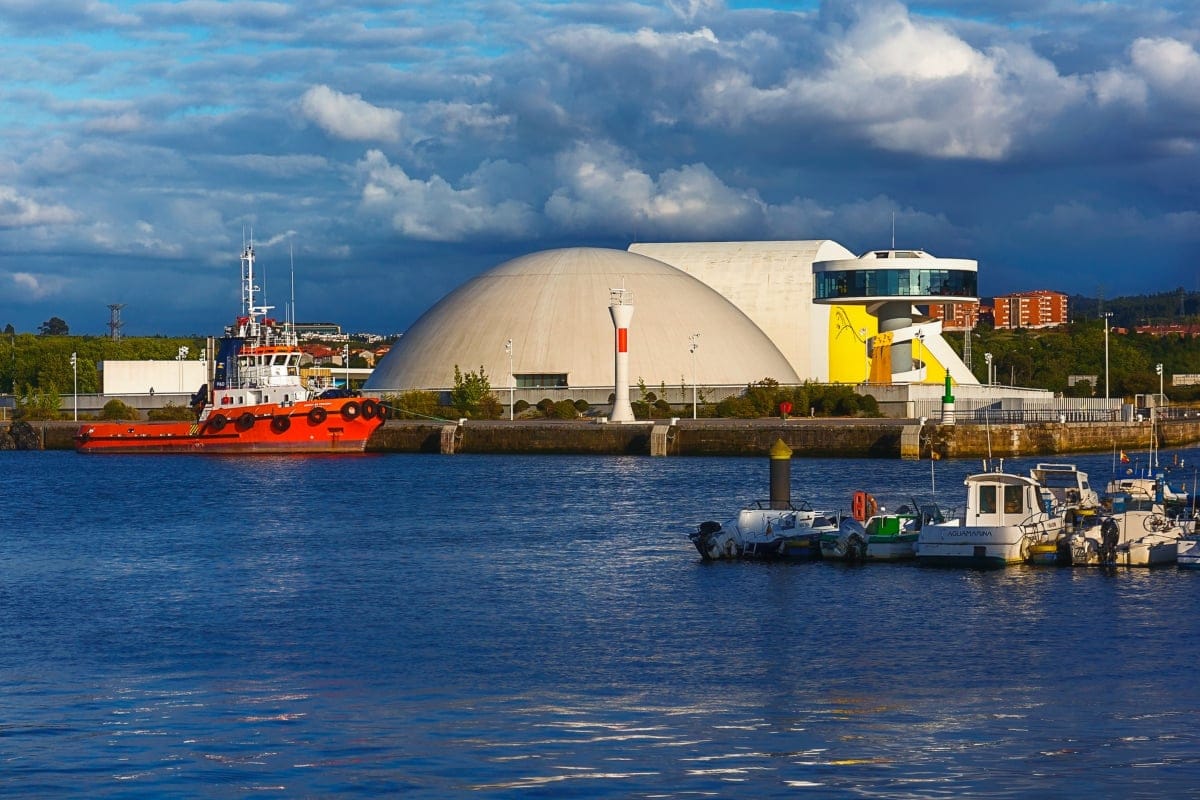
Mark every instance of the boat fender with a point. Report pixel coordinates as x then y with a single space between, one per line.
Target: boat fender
351 410
245 422
216 423
280 424
383 412
369 409
317 415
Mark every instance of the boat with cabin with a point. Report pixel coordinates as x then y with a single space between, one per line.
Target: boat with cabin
253 399
1007 516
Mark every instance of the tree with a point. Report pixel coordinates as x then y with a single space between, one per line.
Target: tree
55 326
469 389
9 330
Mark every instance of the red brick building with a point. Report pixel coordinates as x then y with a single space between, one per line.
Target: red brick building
958 316
1037 309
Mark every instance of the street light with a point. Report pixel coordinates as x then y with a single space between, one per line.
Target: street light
692 349
862 334
346 363
75 374
920 337
183 353
988 358
1106 315
1159 369
512 379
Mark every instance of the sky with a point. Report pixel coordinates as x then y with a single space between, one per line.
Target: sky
381 154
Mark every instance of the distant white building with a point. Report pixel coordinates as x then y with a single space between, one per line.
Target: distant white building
143 377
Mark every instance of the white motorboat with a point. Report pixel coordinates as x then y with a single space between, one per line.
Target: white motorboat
1006 516
770 529
1136 532
1187 547
766 532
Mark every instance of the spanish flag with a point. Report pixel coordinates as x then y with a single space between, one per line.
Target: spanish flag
1124 458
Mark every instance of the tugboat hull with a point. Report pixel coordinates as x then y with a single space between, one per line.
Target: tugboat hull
324 426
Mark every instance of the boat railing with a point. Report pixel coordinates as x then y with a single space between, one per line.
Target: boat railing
769 505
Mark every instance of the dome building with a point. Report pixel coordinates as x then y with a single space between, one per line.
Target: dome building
553 306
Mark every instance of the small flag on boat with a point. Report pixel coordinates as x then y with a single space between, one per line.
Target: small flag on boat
1124 458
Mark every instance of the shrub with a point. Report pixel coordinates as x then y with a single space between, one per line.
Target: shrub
545 404
118 410
488 407
520 406
663 406
170 411
564 409
582 406
414 405
38 404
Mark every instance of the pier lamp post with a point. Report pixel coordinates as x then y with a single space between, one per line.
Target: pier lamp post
862 334
1107 315
920 337
988 358
692 349
75 375
512 379
1159 369
183 353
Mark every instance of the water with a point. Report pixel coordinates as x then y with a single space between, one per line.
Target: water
428 627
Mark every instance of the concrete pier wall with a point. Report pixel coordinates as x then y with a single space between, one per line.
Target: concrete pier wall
807 437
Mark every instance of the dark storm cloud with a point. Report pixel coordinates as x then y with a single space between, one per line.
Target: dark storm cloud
395 152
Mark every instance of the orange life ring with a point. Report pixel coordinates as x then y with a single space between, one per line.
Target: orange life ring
863 506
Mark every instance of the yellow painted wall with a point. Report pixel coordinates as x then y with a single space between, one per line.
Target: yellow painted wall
847 345
847 350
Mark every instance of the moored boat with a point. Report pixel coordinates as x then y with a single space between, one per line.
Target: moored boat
771 529
871 533
253 400
1187 547
765 532
1135 531
1006 516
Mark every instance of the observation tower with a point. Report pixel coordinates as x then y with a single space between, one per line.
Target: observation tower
888 283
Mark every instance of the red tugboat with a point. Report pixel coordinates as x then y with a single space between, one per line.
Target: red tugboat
254 400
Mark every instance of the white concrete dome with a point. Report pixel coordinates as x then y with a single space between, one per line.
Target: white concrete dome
553 305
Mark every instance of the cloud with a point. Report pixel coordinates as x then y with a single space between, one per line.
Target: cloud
601 189
689 10
434 210
905 85
348 116
18 211
118 123
36 287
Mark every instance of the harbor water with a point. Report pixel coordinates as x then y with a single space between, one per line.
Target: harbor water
495 627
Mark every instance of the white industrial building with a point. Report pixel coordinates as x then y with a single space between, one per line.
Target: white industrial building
554 307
